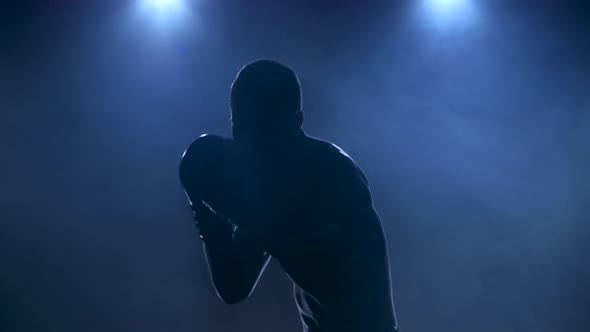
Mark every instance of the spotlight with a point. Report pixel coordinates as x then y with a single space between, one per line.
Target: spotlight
163 5
447 5
445 12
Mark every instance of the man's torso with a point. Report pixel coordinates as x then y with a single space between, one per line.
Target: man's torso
318 221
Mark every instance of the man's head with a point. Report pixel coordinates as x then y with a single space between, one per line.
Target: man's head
265 103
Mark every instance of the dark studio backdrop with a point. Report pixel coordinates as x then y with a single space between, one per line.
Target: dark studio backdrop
471 120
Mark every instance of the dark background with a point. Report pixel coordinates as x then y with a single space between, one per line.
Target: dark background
471 120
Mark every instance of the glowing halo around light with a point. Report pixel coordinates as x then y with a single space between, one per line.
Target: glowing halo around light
165 14
163 5
445 13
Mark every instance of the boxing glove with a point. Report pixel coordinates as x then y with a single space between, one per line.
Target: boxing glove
207 173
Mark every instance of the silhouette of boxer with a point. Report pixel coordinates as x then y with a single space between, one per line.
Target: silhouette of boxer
296 198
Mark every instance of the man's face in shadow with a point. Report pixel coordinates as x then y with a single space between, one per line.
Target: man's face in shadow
264 131
265 105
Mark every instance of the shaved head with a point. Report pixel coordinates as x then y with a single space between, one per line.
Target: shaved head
266 88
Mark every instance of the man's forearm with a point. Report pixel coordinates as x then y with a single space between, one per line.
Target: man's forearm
234 265
226 273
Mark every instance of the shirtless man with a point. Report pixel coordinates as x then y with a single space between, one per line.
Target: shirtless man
306 203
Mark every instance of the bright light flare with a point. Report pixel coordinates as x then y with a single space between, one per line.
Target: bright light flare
450 12
163 5
163 9
447 4
164 13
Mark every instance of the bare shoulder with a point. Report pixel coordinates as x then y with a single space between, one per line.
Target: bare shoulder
344 191
337 170
334 160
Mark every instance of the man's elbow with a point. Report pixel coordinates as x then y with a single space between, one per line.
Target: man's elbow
232 297
231 290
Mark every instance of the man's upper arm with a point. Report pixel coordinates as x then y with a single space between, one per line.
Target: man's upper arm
349 199
347 182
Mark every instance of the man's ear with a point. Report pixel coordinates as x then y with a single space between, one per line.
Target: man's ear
299 119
